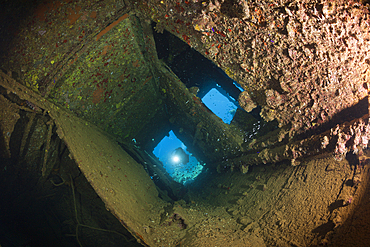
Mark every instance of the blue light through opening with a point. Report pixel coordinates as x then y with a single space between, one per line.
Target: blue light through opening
238 86
180 164
220 105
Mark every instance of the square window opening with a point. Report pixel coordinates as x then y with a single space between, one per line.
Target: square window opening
223 106
180 164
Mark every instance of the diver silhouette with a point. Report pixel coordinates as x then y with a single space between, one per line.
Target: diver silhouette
182 156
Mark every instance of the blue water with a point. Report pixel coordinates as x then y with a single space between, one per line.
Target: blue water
238 86
220 105
182 173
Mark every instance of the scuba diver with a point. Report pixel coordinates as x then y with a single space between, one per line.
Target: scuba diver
179 156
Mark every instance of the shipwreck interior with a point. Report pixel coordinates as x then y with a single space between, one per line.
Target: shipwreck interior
184 123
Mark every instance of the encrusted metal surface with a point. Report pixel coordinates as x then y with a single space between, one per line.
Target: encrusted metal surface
302 61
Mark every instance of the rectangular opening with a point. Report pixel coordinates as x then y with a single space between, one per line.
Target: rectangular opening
180 164
220 104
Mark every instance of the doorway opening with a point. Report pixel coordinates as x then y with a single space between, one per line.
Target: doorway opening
221 103
180 164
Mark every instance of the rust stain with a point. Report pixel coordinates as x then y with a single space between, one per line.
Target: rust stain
106 48
73 60
73 15
93 14
40 12
141 237
44 8
111 26
124 76
147 79
97 95
136 63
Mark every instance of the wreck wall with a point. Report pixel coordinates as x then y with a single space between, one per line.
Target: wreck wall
92 58
301 61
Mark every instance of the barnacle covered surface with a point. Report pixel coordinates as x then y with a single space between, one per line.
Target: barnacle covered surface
302 61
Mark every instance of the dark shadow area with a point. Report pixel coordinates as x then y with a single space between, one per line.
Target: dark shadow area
60 209
324 229
190 66
352 159
149 138
335 205
12 13
232 9
346 115
349 183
